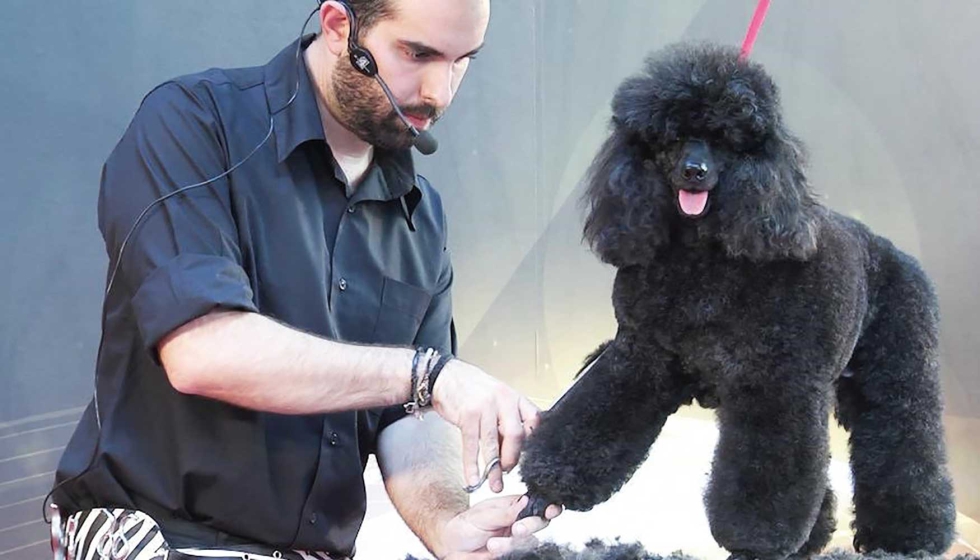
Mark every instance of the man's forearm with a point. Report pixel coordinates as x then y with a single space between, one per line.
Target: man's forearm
420 462
252 361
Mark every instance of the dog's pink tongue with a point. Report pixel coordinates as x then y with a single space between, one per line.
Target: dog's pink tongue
693 202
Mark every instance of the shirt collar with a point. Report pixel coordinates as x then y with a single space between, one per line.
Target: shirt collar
391 176
300 121
398 167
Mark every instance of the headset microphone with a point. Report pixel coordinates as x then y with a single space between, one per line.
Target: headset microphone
424 142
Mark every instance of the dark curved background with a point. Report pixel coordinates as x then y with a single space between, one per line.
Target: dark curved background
884 93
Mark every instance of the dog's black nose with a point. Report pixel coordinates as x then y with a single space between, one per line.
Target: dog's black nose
694 171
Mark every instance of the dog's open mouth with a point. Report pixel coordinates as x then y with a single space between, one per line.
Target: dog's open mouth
693 204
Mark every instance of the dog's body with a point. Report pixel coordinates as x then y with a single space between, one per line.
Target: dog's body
736 288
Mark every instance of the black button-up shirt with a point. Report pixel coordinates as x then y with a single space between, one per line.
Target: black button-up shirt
283 235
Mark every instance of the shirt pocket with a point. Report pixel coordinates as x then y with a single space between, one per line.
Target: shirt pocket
402 308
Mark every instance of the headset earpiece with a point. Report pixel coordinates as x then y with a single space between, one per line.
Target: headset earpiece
360 58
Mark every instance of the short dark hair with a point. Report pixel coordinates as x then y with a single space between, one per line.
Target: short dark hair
369 12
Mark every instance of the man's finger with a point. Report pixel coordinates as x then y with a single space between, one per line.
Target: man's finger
496 515
471 450
516 508
530 415
512 438
499 546
530 525
490 447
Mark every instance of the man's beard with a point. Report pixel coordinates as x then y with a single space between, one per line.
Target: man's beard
365 110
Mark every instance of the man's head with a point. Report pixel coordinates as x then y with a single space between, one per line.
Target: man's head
422 49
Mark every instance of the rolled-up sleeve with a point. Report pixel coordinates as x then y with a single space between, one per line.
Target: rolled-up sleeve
183 259
187 287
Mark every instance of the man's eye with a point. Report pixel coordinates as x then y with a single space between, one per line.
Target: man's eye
421 55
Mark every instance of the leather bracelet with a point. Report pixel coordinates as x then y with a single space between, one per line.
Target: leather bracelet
436 370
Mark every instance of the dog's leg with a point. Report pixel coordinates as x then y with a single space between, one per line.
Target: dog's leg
822 530
891 403
590 442
769 474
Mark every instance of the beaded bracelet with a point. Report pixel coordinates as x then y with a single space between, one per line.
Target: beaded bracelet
423 381
420 396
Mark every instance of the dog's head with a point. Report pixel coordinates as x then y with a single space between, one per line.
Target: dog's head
699 154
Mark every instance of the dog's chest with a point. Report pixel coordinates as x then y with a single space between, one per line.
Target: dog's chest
697 309
688 292
704 310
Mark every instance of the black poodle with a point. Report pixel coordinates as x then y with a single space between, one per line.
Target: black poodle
736 287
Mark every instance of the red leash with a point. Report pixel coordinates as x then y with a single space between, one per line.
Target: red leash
760 15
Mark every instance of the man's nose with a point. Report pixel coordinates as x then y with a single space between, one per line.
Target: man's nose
438 85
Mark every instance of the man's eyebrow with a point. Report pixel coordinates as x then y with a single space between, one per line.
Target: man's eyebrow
474 51
422 48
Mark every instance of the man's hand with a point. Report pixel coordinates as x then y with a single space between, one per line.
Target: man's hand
493 418
490 529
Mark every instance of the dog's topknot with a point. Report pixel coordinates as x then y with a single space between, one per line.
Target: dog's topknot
702 90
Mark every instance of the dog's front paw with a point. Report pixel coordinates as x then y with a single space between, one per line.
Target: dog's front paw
535 507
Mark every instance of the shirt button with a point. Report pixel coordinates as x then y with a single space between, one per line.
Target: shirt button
343 284
334 438
350 209
313 519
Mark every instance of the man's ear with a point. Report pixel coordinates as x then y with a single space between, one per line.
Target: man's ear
334 27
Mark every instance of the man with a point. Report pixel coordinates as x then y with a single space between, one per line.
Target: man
258 338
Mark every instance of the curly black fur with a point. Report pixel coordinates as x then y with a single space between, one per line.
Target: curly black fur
598 550
761 303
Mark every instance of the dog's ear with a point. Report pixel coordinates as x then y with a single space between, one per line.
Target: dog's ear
625 199
772 213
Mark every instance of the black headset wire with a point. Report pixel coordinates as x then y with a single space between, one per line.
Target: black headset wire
129 234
